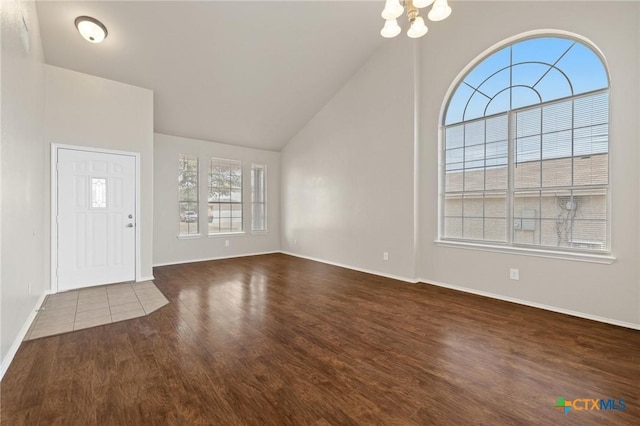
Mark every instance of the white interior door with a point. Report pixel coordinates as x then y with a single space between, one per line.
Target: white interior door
96 201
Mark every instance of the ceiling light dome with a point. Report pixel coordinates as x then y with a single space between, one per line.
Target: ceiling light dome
91 29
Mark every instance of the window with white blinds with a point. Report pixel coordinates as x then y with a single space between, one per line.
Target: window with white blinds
258 198
536 175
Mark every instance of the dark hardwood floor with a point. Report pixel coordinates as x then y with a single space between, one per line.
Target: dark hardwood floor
276 340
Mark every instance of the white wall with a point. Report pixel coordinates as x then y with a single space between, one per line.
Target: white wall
606 291
22 176
90 111
338 206
167 247
348 175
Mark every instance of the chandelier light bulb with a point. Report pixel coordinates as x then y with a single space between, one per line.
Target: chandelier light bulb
91 29
422 3
439 11
418 28
390 29
392 9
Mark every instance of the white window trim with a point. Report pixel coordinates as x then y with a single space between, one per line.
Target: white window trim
606 259
226 234
242 196
181 235
266 213
188 236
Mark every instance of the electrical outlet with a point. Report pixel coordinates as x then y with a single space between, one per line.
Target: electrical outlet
226 243
385 256
514 274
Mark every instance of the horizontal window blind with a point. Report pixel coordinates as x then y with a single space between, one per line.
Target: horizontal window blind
552 169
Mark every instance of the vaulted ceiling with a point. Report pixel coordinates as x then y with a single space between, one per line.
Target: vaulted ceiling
238 72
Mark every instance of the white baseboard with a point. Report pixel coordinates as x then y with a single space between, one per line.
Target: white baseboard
21 335
534 304
354 268
180 262
148 278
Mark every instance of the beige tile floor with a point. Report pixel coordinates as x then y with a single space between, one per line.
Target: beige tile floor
94 306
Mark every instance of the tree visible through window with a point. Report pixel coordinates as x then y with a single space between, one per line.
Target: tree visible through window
526 149
225 196
188 194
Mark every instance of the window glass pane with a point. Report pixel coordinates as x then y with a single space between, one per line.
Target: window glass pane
554 85
225 196
553 142
454 180
258 198
540 49
524 96
473 228
500 103
454 137
528 73
556 172
591 110
557 144
557 117
590 222
474 178
457 103
98 193
491 64
578 60
188 194
496 83
526 208
453 227
453 206
476 106
591 170
188 217
473 205
495 230
495 214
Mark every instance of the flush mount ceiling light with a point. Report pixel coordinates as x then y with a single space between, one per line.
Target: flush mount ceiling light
393 9
91 29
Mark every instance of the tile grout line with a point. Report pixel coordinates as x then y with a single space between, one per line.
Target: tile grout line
109 304
75 313
139 301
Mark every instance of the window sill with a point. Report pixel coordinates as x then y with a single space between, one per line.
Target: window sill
549 254
259 232
188 236
225 234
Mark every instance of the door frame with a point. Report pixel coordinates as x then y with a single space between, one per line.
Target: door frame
54 205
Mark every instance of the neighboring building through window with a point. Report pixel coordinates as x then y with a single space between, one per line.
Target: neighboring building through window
188 194
225 196
258 197
525 149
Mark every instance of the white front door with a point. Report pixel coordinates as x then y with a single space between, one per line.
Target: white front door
96 200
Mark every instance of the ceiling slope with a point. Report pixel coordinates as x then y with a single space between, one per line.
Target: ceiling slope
243 73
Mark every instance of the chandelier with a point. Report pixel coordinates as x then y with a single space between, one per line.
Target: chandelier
393 9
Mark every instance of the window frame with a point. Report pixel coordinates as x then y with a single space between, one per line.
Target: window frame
264 202
510 245
240 165
181 234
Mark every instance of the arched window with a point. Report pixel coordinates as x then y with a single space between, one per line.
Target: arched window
525 149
